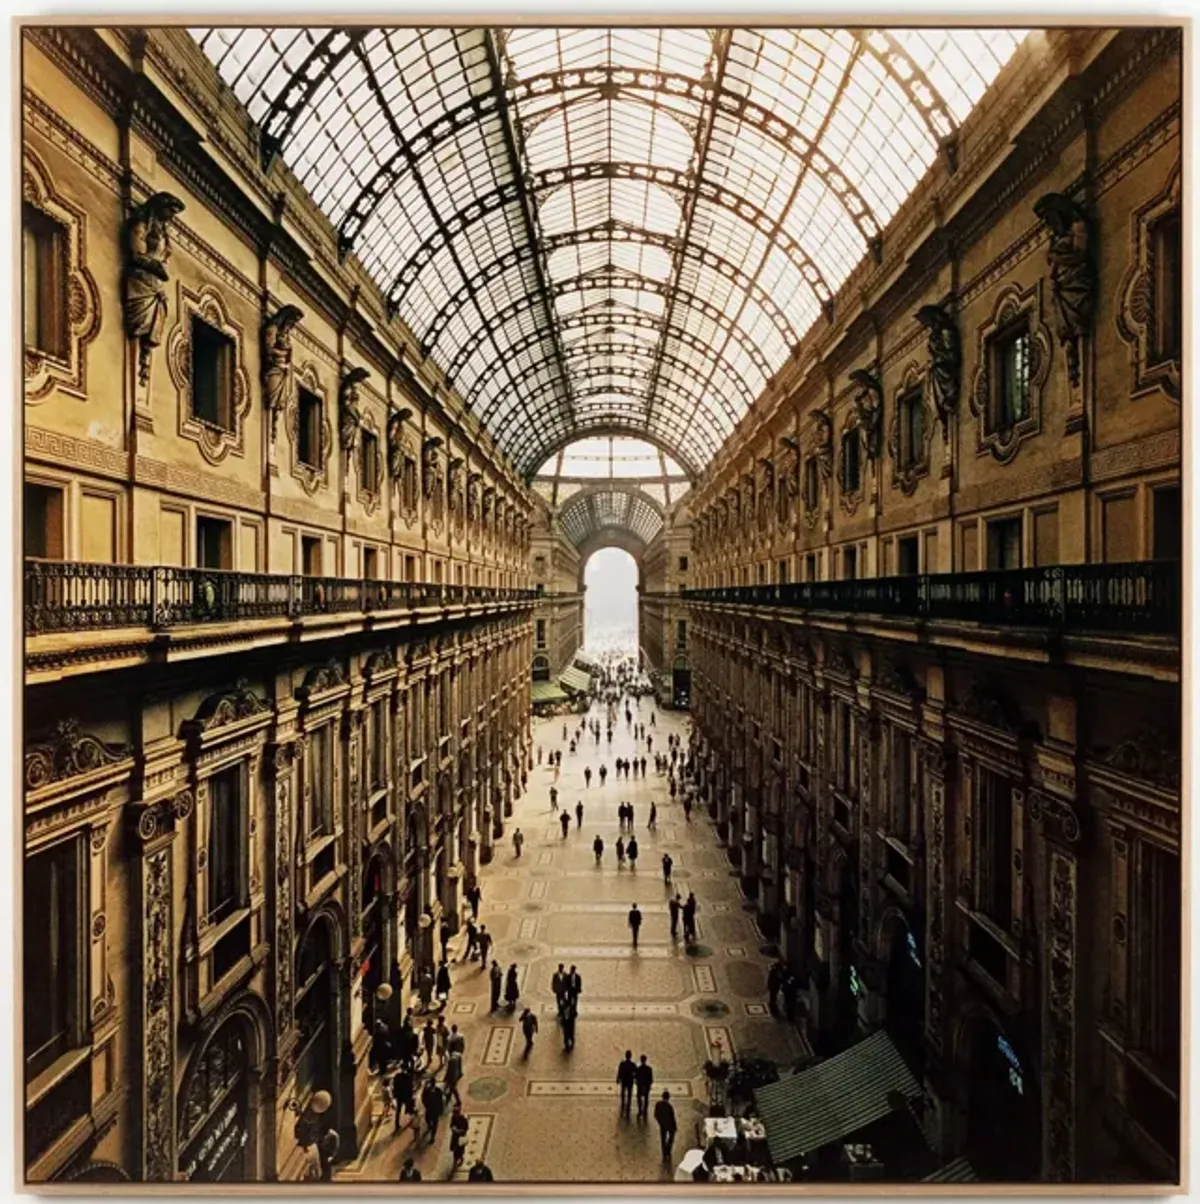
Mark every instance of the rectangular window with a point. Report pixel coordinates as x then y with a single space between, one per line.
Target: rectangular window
1011 360
409 491
370 564
212 375
1168 523
379 744
410 568
310 555
844 746
226 844
782 572
55 971
1166 244
368 464
681 633
812 484
851 466
911 407
311 425
810 567
214 543
762 574
320 782
45 246
1004 543
541 633
907 554
849 564
993 849
683 564
44 531
901 786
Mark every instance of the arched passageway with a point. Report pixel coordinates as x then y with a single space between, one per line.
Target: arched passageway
610 610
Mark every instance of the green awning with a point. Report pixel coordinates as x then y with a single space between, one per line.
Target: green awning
833 1099
575 680
546 691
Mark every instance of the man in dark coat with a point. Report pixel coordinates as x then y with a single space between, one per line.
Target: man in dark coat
558 984
444 936
675 906
402 1094
474 895
529 1026
565 821
664 1115
774 982
689 918
574 986
480 1173
497 977
627 1077
569 1014
635 923
443 984
579 814
644 1076
460 1126
485 945
409 1172
631 849
434 1105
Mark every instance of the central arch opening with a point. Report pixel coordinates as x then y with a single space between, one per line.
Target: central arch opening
610 609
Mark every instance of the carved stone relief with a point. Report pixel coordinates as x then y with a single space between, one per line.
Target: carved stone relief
144 293
158 1028
277 379
1072 274
944 347
68 752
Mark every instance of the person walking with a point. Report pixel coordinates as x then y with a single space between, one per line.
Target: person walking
442 1036
409 1172
774 982
631 850
565 822
428 1041
598 849
485 945
620 850
454 1073
472 946
459 1127
553 798
558 984
629 814
568 1026
474 895
512 992
425 988
480 1172
564 732
456 1043
539 754
635 923
603 774
626 1078
644 1076
434 1105
689 918
791 991
497 977
687 808
443 984
518 841
587 776
402 1095
667 863
444 937
653 824
529 1026
579 815
643 767
664 1116
675 907
574 987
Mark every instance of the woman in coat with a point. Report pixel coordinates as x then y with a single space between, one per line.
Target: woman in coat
443 983
512 992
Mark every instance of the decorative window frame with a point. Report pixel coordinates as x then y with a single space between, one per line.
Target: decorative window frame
370 493
229 731
43 373
1135 308
811 510
906 476
214 444
311 478
850 500
1012 304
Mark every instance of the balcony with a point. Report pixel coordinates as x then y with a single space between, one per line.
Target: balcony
1142 598
134 610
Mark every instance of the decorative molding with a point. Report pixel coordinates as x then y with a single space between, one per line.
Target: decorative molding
987 704
379 662
321 678
215 443
157 1028
905 477
312 477
1012 303
80 300
52 447
1148 755
1136 316
232 706
1157 451
1057 815
68 753
1058 1040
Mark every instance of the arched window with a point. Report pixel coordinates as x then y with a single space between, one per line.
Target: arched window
314 1012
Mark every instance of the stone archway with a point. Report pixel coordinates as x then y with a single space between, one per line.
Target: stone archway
224 1096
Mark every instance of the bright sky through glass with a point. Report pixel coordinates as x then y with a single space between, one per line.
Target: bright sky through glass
609 228
610 602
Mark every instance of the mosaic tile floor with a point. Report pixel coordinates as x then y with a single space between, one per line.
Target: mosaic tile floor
553 1117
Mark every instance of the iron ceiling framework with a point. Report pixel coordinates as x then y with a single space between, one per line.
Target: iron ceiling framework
602 228
590 513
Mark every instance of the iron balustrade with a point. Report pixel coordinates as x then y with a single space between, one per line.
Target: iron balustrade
1140 597
66 596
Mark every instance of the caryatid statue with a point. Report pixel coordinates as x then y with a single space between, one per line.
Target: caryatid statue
945 361
395 444
148 248
868 406
349 416
277 361
1072 272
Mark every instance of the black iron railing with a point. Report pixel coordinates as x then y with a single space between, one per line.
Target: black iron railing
68 596
1142 597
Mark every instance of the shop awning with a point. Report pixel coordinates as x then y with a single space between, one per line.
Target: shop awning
546 691
575 680
958 1171
833 1099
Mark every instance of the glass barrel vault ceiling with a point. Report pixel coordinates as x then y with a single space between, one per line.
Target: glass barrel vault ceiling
608 230
591 511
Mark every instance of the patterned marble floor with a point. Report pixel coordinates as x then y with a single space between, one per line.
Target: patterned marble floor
553 1117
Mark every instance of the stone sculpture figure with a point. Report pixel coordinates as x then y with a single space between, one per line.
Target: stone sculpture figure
868 407
277 361
823 441
395 444
430 477
148 246
945 361
349 416
1072 272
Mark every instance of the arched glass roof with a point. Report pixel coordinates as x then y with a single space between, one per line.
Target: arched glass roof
592 511
609 229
